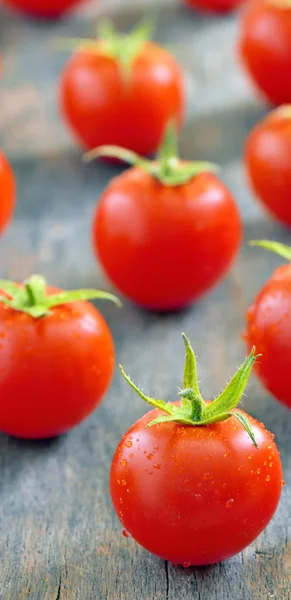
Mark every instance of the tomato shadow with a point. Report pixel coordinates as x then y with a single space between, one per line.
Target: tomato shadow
19 455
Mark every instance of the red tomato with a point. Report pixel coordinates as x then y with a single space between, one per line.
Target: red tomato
196 494
54 369
46 9
103 107
220 6
265 47
269 329
268 162
164 246
7 192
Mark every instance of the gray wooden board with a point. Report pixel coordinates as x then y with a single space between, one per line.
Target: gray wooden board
60 538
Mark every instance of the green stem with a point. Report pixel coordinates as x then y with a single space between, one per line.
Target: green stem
276 247
193 411
32 298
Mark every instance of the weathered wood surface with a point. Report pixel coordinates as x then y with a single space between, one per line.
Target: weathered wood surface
60 539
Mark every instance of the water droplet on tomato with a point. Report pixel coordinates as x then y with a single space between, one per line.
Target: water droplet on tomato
227 453
186 564
250 456
150 456
270 464
128 444
157 467
282 483
229 503
198 497
269 447
206 475
123 481
126 534
123 462
131 455
258 471
268 478
120 500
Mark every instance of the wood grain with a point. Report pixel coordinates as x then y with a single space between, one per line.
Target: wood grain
60 539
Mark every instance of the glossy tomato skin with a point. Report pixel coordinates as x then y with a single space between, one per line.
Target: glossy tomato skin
269 329
163 247
219 6
268 163
101 107
265 48
54 370
7 192
195 495
45 9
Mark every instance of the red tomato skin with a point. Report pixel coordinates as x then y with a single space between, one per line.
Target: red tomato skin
195 495
54 370
265 48
101 107
44 9
269 329
7 192
163 247
268 164
219 6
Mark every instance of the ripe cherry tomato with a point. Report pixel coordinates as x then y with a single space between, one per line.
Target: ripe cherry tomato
164 234
46 9
56 356
7 192
269 328
268 162
195 494
265 47
105 101
220 6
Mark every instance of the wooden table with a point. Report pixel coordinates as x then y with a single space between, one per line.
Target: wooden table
60 539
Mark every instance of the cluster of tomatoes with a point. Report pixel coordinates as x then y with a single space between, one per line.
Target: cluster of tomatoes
204 476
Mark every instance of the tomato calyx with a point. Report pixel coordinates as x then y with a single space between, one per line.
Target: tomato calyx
124 48
272 246
33 299
193 410
168 169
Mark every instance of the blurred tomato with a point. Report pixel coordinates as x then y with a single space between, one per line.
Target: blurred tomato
220 6
7 192
46 9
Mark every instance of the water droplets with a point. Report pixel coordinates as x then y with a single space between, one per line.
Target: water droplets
186 564
157 467
206 476
270 464
123 462
250 456
282 483
126 534
128 444
229 503
268 478
198 497
150 456
120 500
226 453
123 482
258 471
131 455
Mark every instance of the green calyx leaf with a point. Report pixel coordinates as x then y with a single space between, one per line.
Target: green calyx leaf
193 411
276 247
33 299
122 47
168 169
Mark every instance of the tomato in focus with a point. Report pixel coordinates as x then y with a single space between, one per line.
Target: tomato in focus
46 9
265 47
7 192
195 495
220 6
103 106
268 163
164 246
54 369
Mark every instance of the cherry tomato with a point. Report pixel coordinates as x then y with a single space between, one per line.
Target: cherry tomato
265 47
102 104
164 243
220 6
46 9
7 192
55 367
269 329
268 162
195 494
